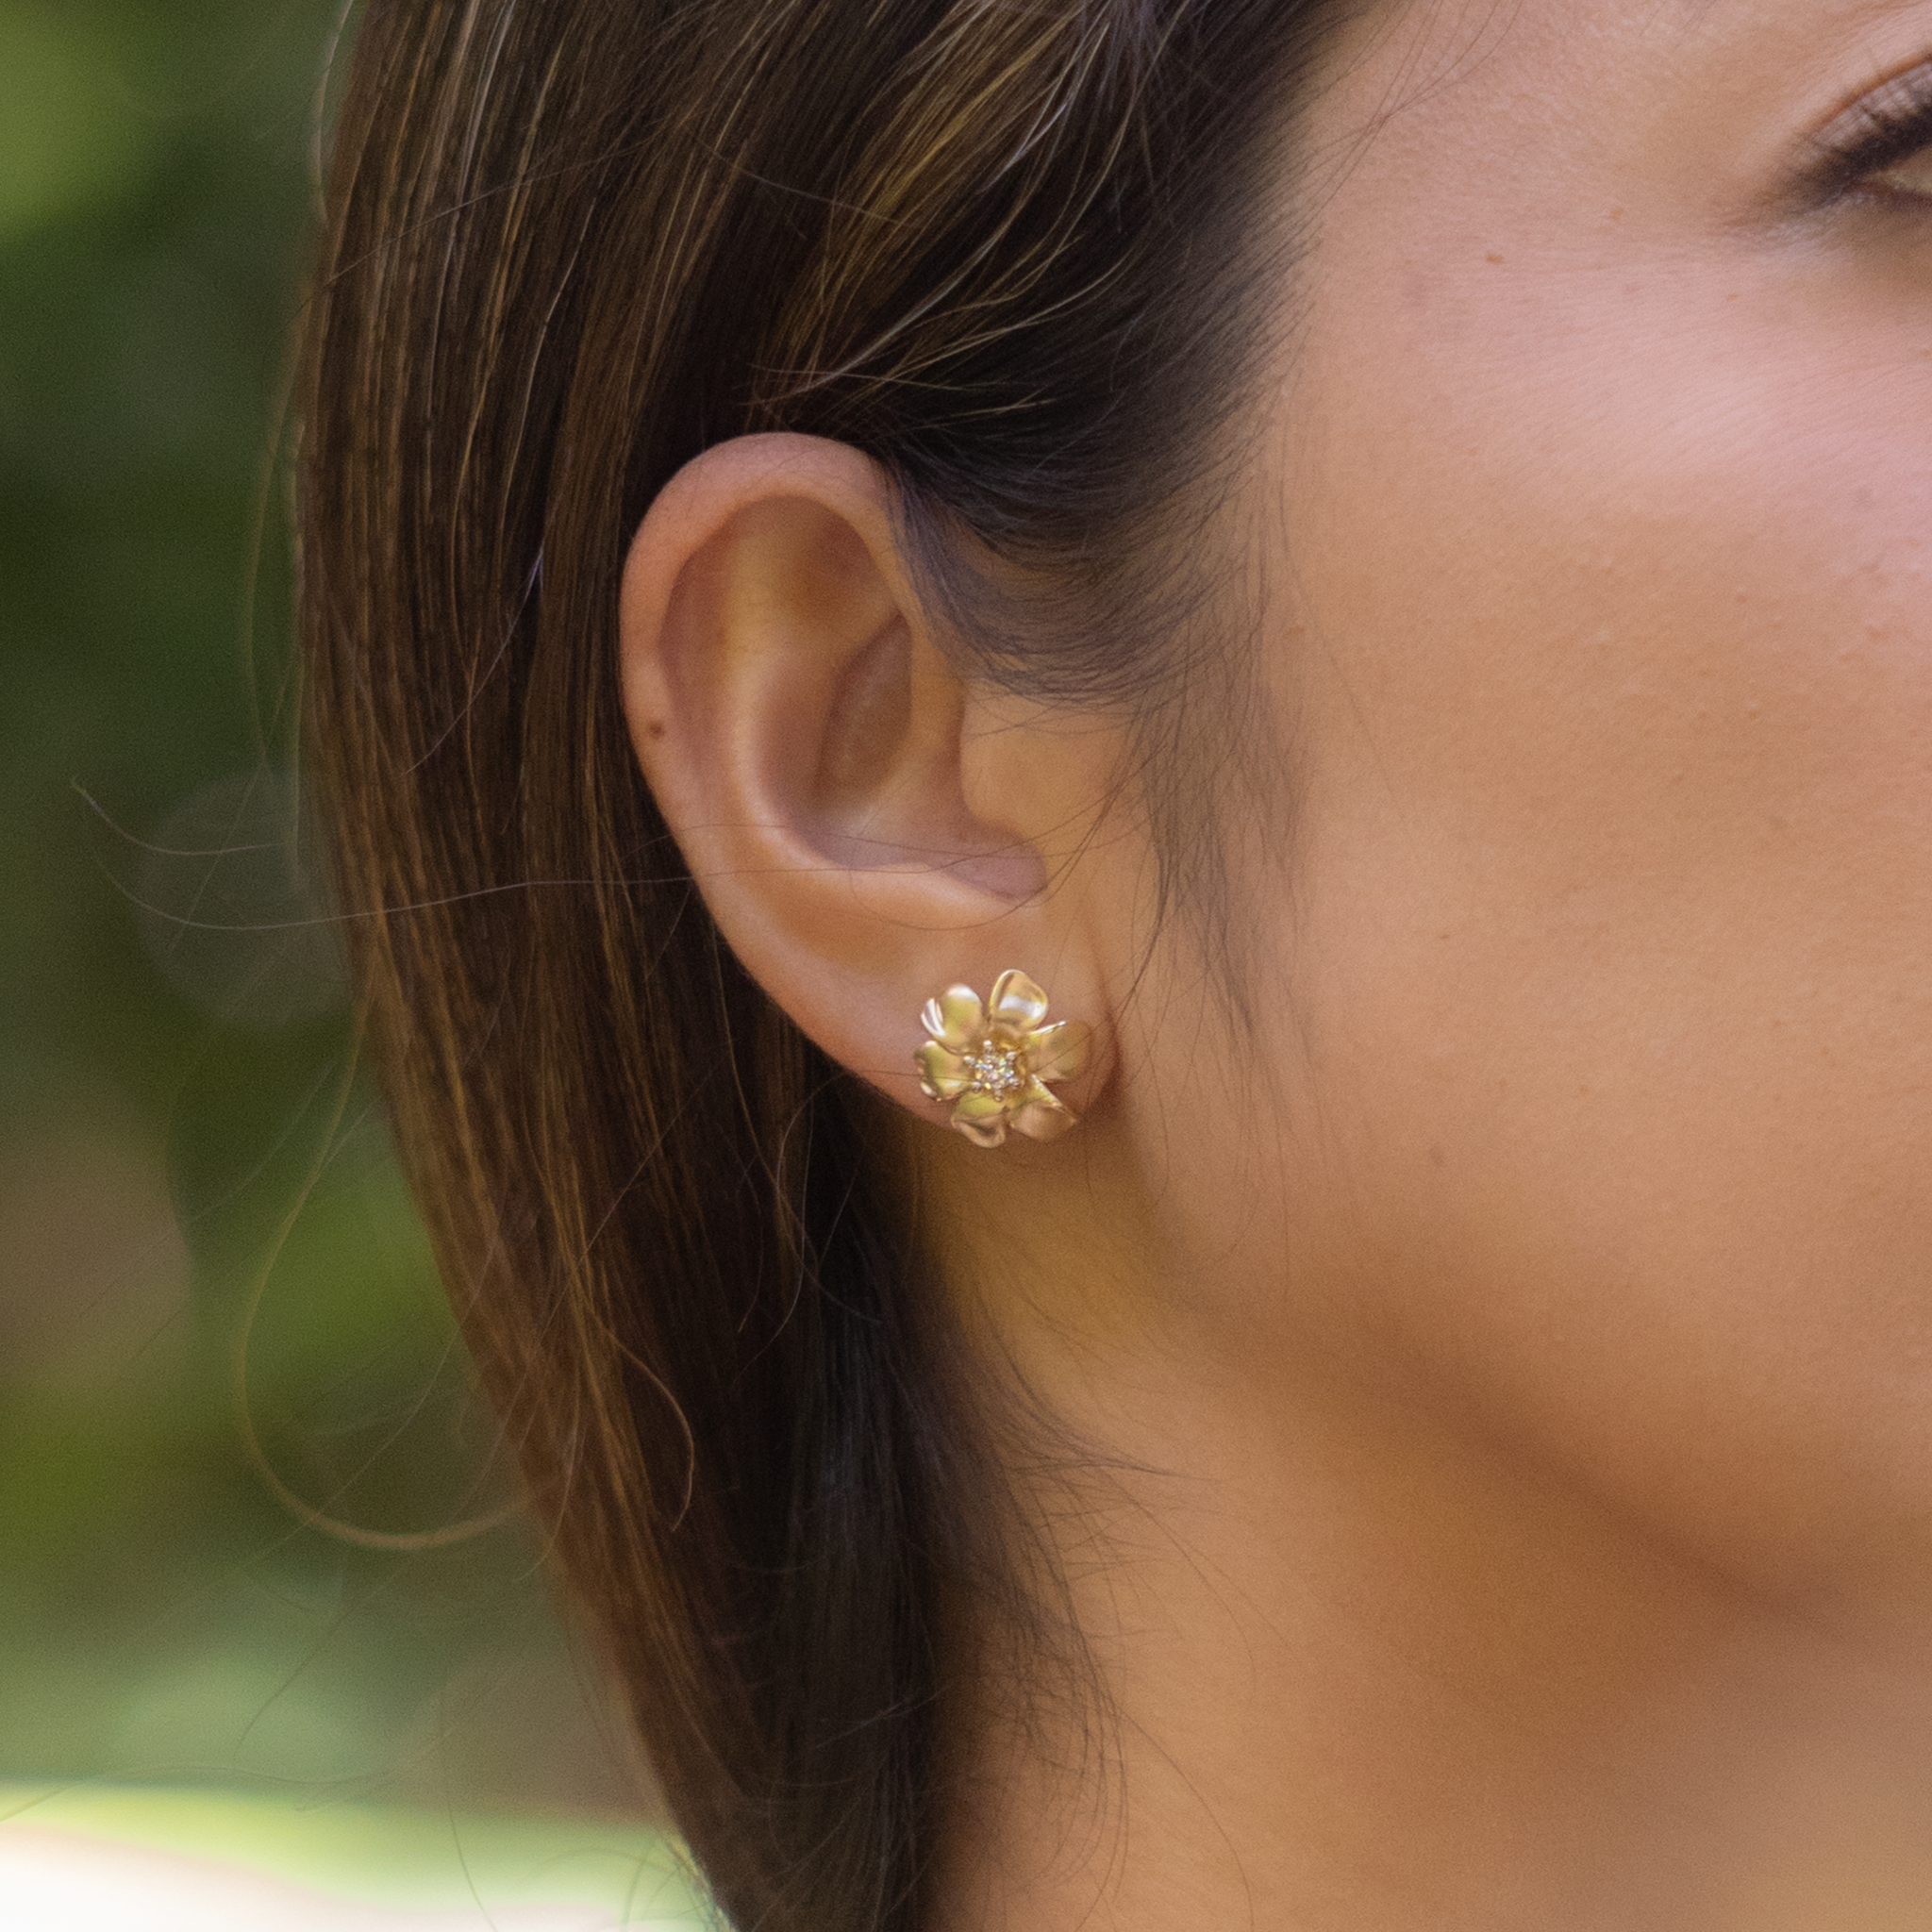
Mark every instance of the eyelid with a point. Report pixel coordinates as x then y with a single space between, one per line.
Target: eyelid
1882 127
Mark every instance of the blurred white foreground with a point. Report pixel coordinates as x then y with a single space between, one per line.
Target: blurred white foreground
55 1882
93 1858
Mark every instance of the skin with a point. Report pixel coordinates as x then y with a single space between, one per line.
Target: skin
1514 1354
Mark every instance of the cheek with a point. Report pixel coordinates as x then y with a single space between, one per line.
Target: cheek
1609 932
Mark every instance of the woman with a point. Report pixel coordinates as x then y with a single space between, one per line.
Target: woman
1373 556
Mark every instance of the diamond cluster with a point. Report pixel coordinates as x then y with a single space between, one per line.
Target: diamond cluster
1000 1071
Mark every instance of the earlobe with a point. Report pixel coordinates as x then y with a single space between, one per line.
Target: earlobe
807 739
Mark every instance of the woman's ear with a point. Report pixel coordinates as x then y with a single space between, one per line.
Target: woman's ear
868 829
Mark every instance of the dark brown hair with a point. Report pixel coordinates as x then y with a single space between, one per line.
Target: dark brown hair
1006 248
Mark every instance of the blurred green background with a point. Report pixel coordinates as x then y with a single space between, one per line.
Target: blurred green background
236 1434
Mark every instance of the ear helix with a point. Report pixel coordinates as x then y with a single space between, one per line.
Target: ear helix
996 1061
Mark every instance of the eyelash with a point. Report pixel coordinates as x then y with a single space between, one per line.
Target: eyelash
1888 126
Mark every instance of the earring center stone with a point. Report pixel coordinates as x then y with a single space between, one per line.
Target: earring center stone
1000 1071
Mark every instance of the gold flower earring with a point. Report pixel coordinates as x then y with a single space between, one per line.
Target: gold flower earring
995 1061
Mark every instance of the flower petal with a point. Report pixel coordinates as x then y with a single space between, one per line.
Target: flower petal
981 1118
942 1074
956 1019
1042 1117
1059 1051
1017 1001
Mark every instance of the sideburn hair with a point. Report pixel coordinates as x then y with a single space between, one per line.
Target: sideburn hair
1008 248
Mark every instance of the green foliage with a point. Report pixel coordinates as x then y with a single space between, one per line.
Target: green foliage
229 1386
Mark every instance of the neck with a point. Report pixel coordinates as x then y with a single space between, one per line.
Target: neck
1353 1668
